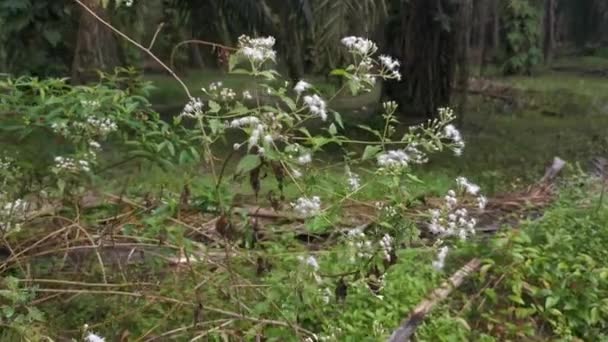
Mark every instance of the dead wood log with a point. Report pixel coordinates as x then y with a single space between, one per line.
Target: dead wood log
408 326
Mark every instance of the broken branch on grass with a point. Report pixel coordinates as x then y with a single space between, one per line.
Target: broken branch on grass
408 327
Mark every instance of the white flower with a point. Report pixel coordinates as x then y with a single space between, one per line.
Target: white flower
354 182
360 45
305 159
244 121
391 66
482 201
193 108
227 94
301 87
312 262
71 165
92 104
389 63
254 138
415 155
247 95
236 146
453 134
307 207
91 337
268 139
387 246
296 173
393 159
441 255
317 106
463 183
102 126
94 145
257 49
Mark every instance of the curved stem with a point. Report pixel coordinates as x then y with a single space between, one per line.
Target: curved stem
136 44
196 41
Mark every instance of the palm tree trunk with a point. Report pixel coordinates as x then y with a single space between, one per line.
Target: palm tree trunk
96 47
549 30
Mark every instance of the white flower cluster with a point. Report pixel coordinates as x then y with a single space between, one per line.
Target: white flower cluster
257 50
301 87
316 105
390 67
91 337
393 159
353 181
92 104
246 121
450 132
361 46
397 159
361 245
94 146
386 209
473 190
213 87
454 221
193 108
470 188
102 126
453 134
307 207
10 212
60 128
305 158
386 244
310 261
439 264
71 165
6 163
227 94
247 95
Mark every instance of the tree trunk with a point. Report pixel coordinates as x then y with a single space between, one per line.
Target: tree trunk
549 30
96 47
484 7
496 25
423 39
464 26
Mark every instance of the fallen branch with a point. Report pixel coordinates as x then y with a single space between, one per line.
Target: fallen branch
408 327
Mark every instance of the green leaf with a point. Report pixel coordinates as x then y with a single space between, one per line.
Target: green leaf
233 60
414 178
290 103
339 72
551 302
371 151
214 107
332 129
517 299
338 119
372 131
248 163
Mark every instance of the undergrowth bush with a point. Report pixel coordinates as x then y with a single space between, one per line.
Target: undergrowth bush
549 277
